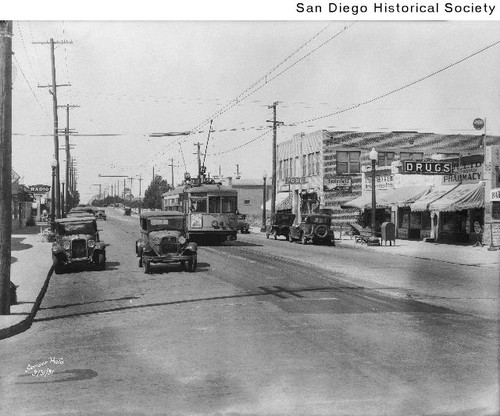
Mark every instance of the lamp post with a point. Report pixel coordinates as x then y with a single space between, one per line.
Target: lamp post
373 241
53 165
264 177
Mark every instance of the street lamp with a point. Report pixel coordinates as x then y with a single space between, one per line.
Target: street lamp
373 241
264 177
53 165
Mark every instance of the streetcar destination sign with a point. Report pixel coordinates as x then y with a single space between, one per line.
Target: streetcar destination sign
427 168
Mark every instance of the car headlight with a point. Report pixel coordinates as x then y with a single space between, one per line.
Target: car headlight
182 239
66 245
215 224
91 243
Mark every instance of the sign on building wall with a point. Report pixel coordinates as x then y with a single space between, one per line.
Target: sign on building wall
337 183
467 169
384 179
495 195
39 189
427 167
295 180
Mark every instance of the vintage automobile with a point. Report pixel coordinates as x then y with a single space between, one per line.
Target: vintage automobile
280 225
101 214
242 224
82 210
165 239
315 228
77 242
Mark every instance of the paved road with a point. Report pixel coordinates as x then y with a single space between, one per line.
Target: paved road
248 333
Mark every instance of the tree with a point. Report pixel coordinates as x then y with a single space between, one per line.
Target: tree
152 196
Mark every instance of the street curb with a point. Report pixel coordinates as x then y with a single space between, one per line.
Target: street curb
28 321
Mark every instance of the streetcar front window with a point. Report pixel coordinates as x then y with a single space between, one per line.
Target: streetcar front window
198 204
214 204
228 204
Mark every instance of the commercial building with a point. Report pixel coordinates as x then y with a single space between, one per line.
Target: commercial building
331 172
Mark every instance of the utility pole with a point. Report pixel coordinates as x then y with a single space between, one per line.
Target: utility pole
172 167
67 146
275 128
53 91
5 163
198 152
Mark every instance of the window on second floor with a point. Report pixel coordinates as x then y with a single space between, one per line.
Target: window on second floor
385 158
348 162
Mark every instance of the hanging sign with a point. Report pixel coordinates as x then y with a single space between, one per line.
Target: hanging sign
337 183
39 189
427 168
295 180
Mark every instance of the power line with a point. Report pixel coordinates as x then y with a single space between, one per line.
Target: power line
29 86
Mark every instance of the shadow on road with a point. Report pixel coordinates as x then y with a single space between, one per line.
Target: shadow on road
18 245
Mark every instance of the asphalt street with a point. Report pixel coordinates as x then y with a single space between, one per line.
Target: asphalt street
262 327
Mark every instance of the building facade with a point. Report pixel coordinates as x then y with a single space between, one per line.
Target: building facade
331 172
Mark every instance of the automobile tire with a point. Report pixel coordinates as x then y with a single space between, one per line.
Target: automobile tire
192 264
267 235
57 266
101 261
303 239
275 235
140 262
147 266
289 237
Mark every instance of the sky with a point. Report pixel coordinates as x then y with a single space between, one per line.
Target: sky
131 79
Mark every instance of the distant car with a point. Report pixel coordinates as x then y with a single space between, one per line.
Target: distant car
165 239
280 225
77 242
315 228
89 210
101 214
242 224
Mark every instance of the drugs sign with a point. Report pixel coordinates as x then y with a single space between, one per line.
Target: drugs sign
427 168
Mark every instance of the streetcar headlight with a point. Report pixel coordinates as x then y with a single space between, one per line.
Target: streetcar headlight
91 243
196 221
66 245
182 239
215 224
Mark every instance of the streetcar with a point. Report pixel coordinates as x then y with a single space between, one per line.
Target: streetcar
211 210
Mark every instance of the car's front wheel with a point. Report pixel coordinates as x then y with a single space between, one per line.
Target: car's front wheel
101 261
58 268
303 239
147 266
192 264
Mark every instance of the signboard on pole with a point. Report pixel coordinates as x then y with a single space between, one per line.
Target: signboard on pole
39 189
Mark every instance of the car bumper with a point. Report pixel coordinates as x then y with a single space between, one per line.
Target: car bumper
173 258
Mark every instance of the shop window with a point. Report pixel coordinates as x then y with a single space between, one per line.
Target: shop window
304 165
495 210
280 170
348 162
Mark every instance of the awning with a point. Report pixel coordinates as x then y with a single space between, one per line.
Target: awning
423 203
365 201
280 197
406 195
465 196
285 204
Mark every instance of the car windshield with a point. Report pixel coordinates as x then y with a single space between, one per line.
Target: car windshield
319 220
164 223
77 228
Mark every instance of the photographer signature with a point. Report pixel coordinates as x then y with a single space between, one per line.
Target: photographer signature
42 368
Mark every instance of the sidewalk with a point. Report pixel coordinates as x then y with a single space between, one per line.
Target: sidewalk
30 271
449 253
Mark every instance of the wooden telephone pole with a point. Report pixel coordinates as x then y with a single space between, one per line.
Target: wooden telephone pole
5 163
53 91
68 156
275 128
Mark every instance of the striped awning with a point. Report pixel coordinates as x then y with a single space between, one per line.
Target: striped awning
465 196
422 204
280 197
365 201
286 204
406 195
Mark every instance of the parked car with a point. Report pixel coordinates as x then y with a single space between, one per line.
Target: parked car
77 242
280 225
87 210
243 225
165 239
101 214
315 228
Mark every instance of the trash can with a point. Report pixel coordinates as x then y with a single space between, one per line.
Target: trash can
13 294
388 233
